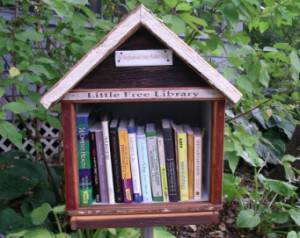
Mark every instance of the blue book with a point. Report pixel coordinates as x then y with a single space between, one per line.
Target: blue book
84 156
134 162
143 164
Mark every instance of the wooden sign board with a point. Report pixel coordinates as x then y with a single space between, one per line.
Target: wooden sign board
127 58
144 94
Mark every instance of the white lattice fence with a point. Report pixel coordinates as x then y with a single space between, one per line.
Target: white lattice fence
50 139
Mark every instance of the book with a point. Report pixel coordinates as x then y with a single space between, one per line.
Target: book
143 164
110 184
190 155
115 159
95 174
125 161
182 163
153 162
198 153
162 163
101 162
134 162
169 144
84 156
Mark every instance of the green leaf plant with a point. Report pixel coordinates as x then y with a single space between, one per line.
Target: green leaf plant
266 206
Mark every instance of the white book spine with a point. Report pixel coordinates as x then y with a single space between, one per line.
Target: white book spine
109 173
144 168
163 171
134 163
154 168
198 167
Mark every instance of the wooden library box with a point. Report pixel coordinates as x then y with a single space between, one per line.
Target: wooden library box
142 70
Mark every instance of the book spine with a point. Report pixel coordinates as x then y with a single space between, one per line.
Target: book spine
183 166
125 166
84 161
96 185
109 174
170 164
163 172
137 193
116 163
190 154
154 167
198 167
101 167
144 168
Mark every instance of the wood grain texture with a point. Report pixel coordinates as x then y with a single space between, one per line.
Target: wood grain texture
140 220
217 152
137 18
106 75
145 208
70 156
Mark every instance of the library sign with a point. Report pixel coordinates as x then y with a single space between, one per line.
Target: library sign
144 94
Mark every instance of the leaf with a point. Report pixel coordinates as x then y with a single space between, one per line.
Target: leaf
19 107
183 7
162 233
2 91
233 160
295 60
264 76
59 209
89 13
13 72
295 215
292 234
8 130
9 219
280 187
170 3
263 26
231 13
280 217
38 233
39 214
175 23
29 35
252 158
63 235
128 232
54 121
247 219
79 2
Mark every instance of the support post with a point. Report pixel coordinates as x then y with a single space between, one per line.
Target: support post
147 232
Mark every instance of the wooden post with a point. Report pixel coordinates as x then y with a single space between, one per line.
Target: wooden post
147 232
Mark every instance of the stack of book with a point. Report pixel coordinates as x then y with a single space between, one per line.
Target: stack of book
122 162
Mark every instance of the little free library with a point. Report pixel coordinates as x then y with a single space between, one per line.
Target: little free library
143 130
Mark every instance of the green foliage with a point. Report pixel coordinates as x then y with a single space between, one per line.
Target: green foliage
268 206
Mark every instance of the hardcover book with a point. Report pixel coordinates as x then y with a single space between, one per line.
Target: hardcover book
182 164
101 162
154 162
143 164
115 159
84 156
162 163
95 174
110 184
134 162
125 161
198 153
190 154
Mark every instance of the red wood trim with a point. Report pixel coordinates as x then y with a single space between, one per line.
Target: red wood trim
146 208
217 151
70 156
141 220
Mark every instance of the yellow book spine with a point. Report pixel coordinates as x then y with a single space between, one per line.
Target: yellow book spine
125 166
183 166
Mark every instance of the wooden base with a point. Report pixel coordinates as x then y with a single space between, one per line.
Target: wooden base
143 220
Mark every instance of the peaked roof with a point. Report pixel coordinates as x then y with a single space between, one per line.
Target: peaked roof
140 17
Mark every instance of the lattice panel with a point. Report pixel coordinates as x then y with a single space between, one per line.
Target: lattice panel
50 139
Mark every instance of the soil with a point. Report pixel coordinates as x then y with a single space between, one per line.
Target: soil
225 228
